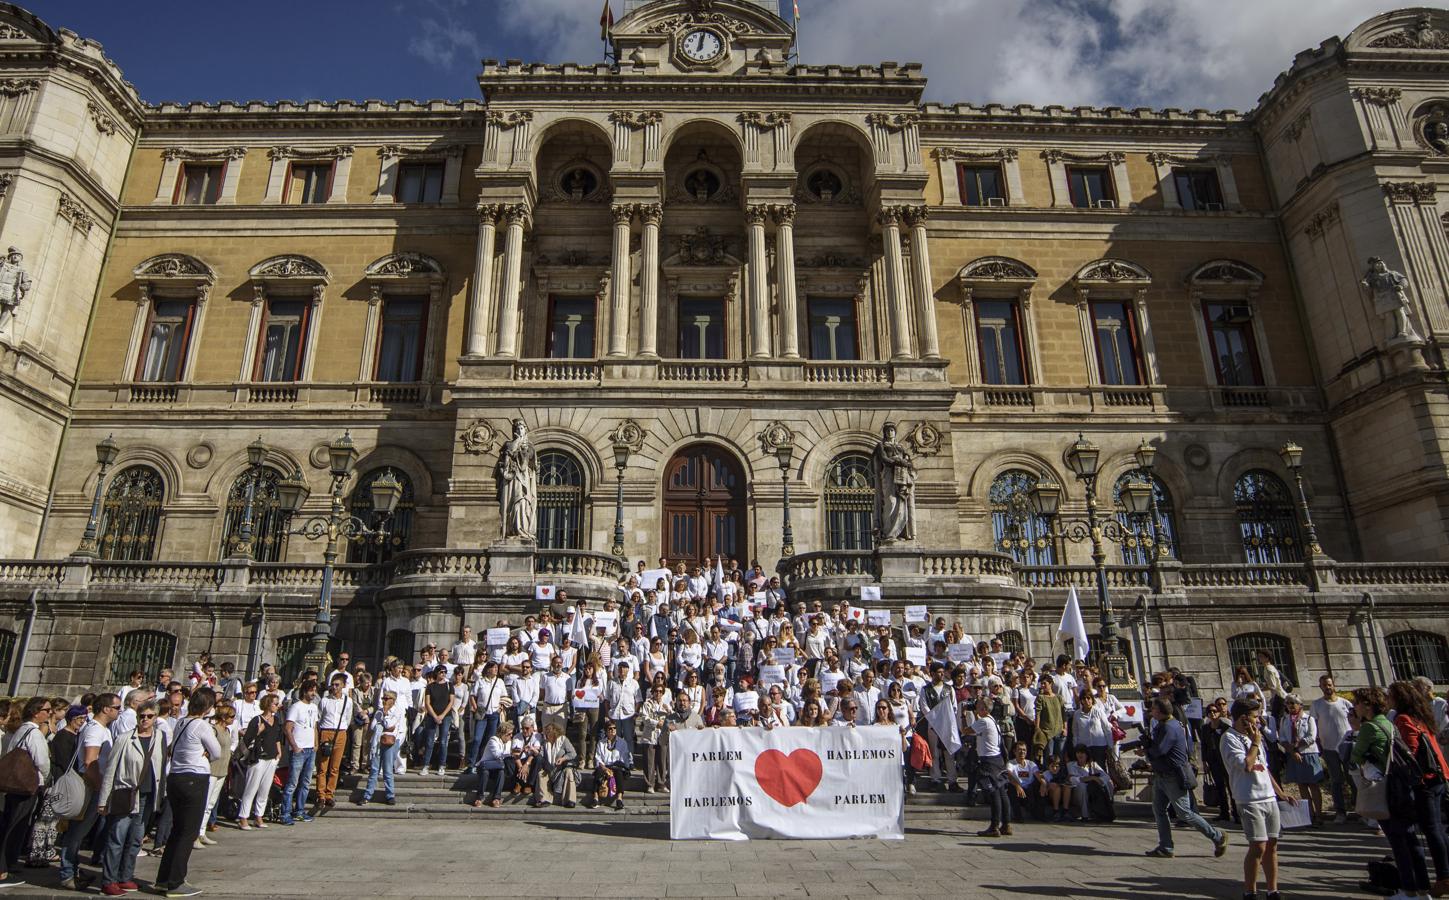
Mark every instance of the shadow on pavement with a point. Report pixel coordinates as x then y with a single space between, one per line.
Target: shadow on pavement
652 831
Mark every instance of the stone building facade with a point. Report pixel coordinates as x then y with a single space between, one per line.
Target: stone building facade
684 259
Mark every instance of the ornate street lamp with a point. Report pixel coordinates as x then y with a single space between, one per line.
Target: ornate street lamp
336 526
256 455
785 456
621 462
1292 456
106 452
1146 456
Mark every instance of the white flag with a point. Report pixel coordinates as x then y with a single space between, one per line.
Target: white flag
577 634
943 720
1073 627
719 578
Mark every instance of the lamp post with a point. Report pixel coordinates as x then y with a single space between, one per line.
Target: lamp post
785 455
256 455
336 526
1146 456
621 462
1083 458
1292 456
106 451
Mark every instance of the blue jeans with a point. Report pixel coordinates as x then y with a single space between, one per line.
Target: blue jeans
384 759
1429 806
1166 792
490 780
1403 834
483 729
299 776
123 840
75 835
1055 746
435 734
1337 780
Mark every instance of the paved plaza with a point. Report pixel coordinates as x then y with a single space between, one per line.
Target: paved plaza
599 856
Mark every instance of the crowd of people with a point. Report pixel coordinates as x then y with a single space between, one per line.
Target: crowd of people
568 704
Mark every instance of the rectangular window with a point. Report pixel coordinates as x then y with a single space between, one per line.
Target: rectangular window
571 328
283 337
1198 189
308 183
1235 352
400 347
419 182
1116 330
167 335
701 328
199 184
982 186
832 329
998 335
1091 187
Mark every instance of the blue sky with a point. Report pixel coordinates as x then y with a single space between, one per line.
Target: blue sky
1187 53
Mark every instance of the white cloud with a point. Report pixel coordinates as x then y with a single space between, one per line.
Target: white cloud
440 39
1186 53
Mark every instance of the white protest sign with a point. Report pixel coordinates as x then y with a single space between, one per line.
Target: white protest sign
917 614
747 701
784 656
759 599
1294 815
772 674
498 637
649 578
544 592
855 614
1130 713
916 655
878 617
1193 710
586 697
605 620
830 680
869 593
959 653
827 783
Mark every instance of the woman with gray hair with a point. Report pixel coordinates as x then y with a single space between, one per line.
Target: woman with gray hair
1298 737
133 783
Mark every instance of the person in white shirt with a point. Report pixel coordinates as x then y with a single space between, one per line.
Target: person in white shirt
524 692
542 650
1091 728
30 738
465 651
555 689
991 768
486 706
491 767
301 734
1298 739
746 702
389 727
1082 773
193 748
130 702
344 662
1256 792
529 633
247 706
612 761
93 748
1330 713
1027 786
866 695
621 697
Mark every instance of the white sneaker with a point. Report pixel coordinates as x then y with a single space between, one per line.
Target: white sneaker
245 826
649 790
424 772
198 845
910 789
207 840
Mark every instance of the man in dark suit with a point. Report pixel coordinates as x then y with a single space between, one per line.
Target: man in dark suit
1166 747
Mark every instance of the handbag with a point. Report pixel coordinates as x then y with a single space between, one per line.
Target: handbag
1373 796
68 794
18 774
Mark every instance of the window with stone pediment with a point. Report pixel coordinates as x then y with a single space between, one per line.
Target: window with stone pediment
1091 186
167 340
1198 189
981 185
199 184
403 329
572 327
701 328
1119 358
833 331
131 514
999 341
850 503
282 339
308 182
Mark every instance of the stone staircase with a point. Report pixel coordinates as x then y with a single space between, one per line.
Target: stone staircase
450 797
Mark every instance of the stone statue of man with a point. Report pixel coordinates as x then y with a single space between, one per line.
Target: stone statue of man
518 485
14 285
1391 301
895 492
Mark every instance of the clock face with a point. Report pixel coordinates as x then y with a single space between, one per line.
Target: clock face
701 45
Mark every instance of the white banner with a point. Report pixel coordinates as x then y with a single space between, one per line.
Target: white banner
740 783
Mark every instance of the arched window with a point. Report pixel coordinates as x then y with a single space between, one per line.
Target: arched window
8 640
400 643
1011 641
1017 529
850 503
1415 653
144 651
269 523
399 525
131 514
1133 553
1267 518
560 501
1243 651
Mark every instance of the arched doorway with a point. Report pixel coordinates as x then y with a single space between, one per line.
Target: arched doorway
704 506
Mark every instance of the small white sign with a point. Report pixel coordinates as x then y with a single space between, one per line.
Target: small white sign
498 637
1294 815
959 653
649 579
1193 710
1131 713
759 599
544 592
879 617
784 656
772 674
747 701
917 614
605 620
586 697
855 614
830 680
916 655
869 593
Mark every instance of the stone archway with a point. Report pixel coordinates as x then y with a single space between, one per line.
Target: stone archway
704 506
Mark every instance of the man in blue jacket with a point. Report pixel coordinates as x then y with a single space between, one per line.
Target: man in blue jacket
1166 749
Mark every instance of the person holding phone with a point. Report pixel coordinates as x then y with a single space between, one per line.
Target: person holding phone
1256 793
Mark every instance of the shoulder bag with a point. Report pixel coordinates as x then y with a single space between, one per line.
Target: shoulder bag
1373 796
17 772
67 796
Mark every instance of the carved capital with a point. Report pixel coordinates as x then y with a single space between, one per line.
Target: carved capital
516 214
916 216
1422 192
622 213
757 214
890 216
784 214
489 213
389 151
281 153
344 151
651 213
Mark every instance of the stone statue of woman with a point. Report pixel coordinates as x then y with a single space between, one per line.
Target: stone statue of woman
895 491
518 485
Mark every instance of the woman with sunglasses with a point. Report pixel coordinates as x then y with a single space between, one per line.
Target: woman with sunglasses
262 747
390 725
133 783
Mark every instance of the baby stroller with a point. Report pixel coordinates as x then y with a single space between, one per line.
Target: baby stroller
274 794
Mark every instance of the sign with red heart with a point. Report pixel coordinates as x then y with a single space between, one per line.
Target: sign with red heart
543 592
788 779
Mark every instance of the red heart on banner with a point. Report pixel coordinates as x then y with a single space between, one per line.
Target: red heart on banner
1131 710
579 694
788 779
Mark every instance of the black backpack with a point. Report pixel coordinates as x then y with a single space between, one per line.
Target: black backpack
1405 775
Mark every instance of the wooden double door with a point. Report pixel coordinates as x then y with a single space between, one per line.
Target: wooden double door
704 506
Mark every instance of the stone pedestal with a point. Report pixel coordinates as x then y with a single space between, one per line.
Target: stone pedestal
511 560
899 559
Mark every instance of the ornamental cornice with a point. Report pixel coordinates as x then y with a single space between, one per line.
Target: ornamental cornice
636 120
71 210
1111 157
1380 95
1005 154
1421 192
190 155
105 123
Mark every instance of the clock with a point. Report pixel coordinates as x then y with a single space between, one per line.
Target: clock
701 45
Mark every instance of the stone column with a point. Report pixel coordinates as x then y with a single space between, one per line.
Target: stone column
930 345
480 301
652 214
619 282
890 221
785 280
759 283
517 217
